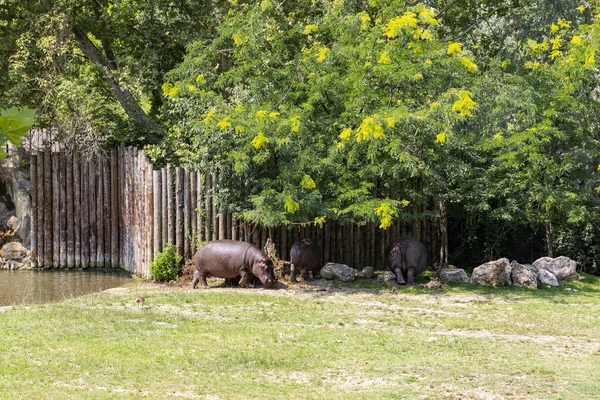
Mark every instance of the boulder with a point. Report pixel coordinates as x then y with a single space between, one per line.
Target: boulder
563 268
387 277
546 277
368 272
532 268
522 276
493 273
14 251
453 275
340 272
15 256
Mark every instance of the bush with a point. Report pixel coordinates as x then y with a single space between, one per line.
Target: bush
165 267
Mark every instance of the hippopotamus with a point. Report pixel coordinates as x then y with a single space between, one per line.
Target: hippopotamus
305 255
231 259
408 258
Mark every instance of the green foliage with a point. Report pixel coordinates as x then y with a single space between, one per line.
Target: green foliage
14 124
165 266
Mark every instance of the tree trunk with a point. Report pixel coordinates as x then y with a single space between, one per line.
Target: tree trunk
124 96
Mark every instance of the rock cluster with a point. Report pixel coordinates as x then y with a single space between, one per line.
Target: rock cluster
543 272
340 272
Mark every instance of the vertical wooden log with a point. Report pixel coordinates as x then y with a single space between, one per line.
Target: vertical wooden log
234 227
192 211
347 240
208 207
100 213
164 203
157 218
106 209
40 206
256 235
187 231
55 211
48 222
85 214
320 242
138 210
34 208
179 234
114 208
341 248
149 217
170 206
199 207
215 215
64 205
332 241
122 181
227 226
356 247
285 253
326 242
372 238
70 227
93 193
77 207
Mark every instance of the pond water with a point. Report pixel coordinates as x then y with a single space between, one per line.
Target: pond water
19 287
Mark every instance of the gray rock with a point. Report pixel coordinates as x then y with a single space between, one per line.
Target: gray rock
563 268
15 256
523 276
340 272
386 277
368 272
532 268
546 277
358 274
493 273
453 275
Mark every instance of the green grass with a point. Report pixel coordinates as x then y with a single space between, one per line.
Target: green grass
354 341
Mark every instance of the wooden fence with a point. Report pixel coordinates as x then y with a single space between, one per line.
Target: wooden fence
118 212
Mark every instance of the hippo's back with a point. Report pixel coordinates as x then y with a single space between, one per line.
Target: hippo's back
224 258
408 252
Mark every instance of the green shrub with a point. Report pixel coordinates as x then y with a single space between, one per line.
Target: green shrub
165 267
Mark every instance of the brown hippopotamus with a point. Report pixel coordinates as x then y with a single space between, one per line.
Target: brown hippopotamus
305 255
408 257
230 259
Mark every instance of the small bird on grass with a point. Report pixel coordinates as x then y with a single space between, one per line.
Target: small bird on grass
140 301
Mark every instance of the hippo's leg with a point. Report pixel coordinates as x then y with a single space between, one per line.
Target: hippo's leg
292 273
316 273
196 279
244 278
410 276
399 276
305 274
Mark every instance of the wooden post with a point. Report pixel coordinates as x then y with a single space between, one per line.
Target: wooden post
99 213
115 204
215 216
170 206
34 208
55 211
208 206
48 222
149 217
70 229
234 228
122 181
179 210
64 205
199 207
85 216
187 231
164 212
93 193
157 218
40 208
77 207
106 209
192 211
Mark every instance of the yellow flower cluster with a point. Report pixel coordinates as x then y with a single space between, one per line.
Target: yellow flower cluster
307 182
384 58
259 141
441 138
469 64
464 104
308 29
323 53
454 48
224 123
365 19
385 213
369 128
237 39
345 135
395 25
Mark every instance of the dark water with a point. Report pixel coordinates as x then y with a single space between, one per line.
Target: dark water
18 287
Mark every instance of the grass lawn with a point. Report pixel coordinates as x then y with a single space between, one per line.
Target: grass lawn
352 341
